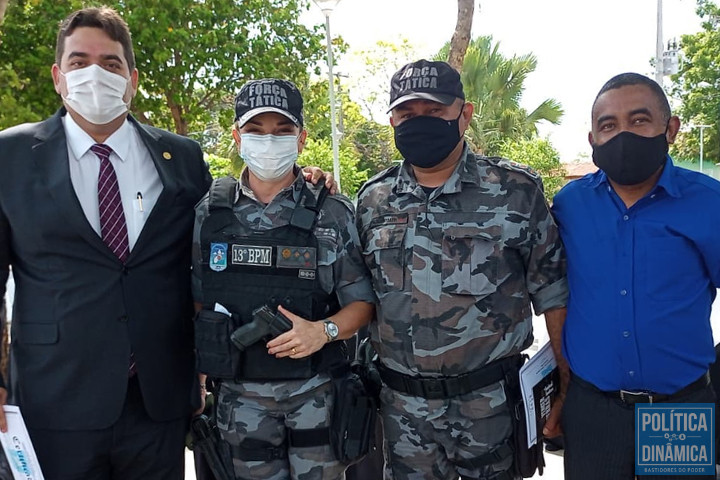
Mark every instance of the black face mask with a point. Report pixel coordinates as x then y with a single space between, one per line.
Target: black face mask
427 141
629 159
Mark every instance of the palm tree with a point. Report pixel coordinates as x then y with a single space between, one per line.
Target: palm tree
494 84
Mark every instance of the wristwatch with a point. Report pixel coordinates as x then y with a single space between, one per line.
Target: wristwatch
331 330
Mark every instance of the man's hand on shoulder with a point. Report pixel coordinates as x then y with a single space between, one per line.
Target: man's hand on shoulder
314 174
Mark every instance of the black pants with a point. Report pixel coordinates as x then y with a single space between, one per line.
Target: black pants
600 435
134 448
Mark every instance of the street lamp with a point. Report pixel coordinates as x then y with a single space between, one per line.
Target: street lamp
327 6
659 46
702 142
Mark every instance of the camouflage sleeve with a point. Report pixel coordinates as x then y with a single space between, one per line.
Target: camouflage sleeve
544 258
201 212
350 275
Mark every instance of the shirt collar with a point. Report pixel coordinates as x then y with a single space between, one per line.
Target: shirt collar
80 142
666 181
405 182
598 178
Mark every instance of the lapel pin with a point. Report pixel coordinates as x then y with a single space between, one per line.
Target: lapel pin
167 156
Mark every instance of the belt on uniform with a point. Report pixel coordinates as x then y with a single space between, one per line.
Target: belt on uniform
447 387
631 398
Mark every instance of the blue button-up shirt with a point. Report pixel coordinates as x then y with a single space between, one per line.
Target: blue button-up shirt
642 280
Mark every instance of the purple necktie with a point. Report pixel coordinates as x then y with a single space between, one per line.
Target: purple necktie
113 228
112 217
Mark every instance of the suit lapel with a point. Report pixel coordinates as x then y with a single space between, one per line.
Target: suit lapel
165 160
50 155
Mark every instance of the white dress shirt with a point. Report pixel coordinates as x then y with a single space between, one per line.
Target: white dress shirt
136 174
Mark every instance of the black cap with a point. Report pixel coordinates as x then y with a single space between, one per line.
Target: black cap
436 81
269 95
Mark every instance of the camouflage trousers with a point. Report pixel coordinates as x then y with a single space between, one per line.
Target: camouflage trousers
425 439
244 413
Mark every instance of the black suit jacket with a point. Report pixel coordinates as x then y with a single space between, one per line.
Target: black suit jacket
78 311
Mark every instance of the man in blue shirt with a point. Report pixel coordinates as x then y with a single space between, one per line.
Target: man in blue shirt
643 253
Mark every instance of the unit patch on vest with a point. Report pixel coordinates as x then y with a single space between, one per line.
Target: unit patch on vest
253 255
306 274
296 257
330 233
218 256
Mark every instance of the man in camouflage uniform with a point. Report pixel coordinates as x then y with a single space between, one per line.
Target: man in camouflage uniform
276 424
459 246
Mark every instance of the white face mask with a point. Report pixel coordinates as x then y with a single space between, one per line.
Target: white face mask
269 157
96 94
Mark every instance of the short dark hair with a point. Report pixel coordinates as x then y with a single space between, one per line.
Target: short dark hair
630 78
104 18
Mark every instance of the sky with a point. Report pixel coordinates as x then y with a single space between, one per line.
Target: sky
579 44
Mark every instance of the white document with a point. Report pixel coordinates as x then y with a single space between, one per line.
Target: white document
539 385
19 452
221 309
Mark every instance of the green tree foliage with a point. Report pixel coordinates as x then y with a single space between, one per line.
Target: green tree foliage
375 144
372 142
192 55
318 152
540 155
222 166
495 84
13 111
367 146
27 51
371 84
697 84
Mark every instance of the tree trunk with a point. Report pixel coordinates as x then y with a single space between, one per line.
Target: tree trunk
461 37
181 126
3 7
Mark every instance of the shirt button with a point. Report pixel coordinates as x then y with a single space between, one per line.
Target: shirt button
653 195
631 373
623 292
625 217
626 334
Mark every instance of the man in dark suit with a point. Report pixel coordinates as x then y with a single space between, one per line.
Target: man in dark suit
96 215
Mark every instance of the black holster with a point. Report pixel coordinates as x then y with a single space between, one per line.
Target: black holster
354 413
525 460
215 454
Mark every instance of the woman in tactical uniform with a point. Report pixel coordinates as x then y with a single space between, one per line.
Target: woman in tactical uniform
276 257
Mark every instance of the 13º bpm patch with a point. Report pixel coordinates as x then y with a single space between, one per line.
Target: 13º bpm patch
675 439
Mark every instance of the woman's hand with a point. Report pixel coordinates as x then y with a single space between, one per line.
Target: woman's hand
304 339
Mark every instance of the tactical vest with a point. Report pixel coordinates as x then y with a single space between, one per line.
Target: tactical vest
244 269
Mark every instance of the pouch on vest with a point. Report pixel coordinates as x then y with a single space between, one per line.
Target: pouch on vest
215 354
354 413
